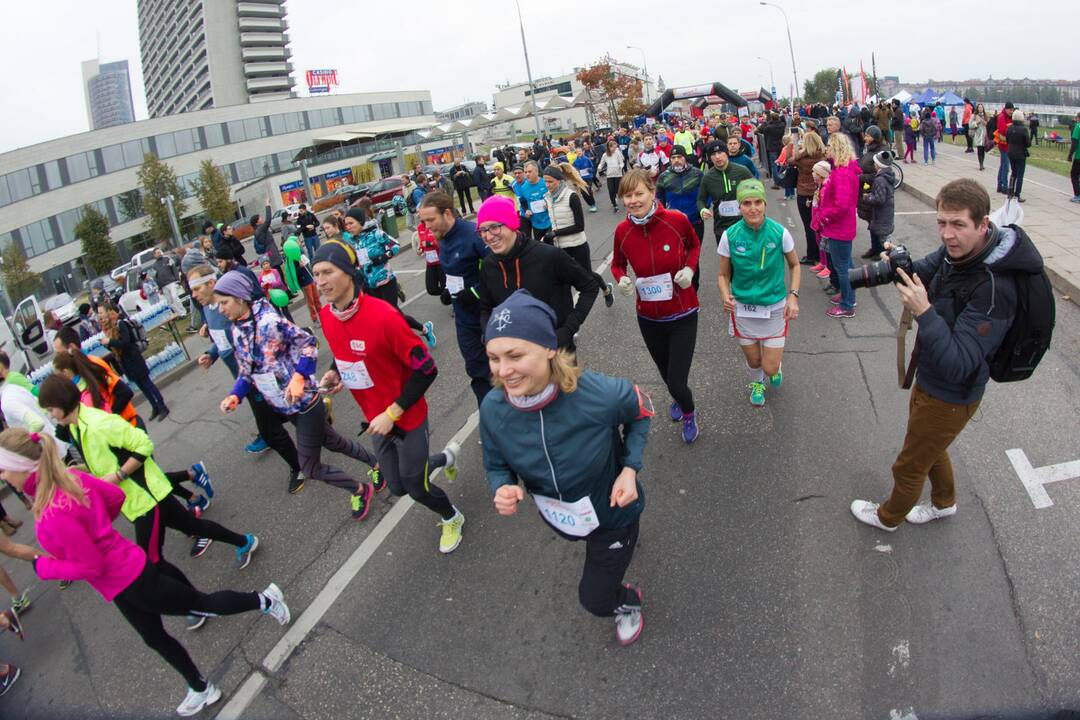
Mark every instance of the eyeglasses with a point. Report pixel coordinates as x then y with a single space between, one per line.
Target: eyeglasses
490 229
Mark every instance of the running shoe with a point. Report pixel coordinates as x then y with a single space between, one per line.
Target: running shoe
628 618
8 679
592 208
817 268
256 446
21 602
830 289
676 411
429 334
196 701
200 546
804 260
277 608
824 273
451 532
194 622
243 554
609 295
835 300
757 394
163 414
202 479
378 482
839 312
689 428
296 482
199 505
361 501
452 451
13 624
926 512
866 512
777 379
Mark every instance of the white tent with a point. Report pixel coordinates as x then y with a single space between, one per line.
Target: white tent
903 96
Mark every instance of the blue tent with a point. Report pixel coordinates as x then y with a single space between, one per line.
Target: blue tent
926 97
950 98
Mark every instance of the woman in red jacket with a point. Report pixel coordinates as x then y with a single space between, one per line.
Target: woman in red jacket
662 249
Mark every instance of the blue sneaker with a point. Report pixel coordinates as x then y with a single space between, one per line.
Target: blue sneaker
676 412
243 554
689 428
199 505
202 478
777 379
429 334
256 446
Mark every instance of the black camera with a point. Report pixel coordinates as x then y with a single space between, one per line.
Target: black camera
882 271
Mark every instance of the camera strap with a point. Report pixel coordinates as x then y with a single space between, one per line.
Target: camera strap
905 375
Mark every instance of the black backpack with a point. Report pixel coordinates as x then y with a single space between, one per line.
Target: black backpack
139 332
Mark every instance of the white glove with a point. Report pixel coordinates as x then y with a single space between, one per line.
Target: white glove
684 277
626 285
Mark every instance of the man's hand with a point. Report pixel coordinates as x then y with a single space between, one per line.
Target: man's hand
331 382
912 293
624 491
229 404
381 425
204 330
204 361
507 498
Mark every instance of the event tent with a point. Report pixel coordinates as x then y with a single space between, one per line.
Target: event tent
950 98
903 96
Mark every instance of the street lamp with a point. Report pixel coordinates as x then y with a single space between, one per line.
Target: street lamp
644 68
528 70
791 47
772 79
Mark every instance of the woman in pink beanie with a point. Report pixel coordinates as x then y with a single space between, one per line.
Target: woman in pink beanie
499 209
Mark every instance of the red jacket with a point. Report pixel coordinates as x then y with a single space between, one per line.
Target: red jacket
666 244
427 245
1004 120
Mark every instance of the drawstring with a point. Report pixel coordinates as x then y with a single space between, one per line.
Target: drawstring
504 274
517 269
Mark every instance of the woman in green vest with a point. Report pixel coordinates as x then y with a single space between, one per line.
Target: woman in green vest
753 254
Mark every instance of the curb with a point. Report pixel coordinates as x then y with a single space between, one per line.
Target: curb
1063 285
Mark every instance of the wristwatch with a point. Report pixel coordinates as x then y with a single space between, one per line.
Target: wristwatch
793 292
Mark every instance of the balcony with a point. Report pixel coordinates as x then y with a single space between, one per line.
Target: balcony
260 9
256 24
261 38
263 53
254 69
268 83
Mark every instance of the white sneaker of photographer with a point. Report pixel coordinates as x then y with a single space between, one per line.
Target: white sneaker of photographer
866 512
926 512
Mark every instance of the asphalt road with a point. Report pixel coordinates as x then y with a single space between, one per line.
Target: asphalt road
763 597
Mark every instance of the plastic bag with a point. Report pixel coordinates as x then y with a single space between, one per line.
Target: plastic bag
1008 214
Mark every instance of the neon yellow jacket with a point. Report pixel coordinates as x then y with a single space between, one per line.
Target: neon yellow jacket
98 435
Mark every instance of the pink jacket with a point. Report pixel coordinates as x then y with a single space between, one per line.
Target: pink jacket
837 201
82 541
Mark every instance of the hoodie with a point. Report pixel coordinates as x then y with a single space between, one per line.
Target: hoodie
549 274
956 340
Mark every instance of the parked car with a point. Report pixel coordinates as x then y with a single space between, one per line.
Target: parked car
132 301
63 306
359 191
119 273
112 289
385 189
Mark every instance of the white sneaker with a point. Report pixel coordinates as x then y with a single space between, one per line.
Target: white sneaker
452 452
866 512
629 620
926 512
196 701
278 609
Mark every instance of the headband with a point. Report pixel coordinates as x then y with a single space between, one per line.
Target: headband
199 281
16 462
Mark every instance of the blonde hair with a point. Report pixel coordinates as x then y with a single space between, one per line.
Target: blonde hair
1018 115
634 179
571 174
52 476
842 152
812 146
564 371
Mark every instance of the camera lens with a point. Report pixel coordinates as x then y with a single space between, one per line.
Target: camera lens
871 275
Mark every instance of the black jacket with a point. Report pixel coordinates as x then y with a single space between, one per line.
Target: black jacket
773 132
956 337
1019 140
481 180
127 351
549 274
460 175
308 218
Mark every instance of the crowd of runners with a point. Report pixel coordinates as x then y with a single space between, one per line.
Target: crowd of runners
521 283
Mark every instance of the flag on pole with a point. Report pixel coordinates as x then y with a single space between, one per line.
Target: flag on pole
847 86
863 74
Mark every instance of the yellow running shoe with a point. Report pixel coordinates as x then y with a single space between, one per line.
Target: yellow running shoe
451 532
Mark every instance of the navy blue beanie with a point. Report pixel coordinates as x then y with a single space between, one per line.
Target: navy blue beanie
524 317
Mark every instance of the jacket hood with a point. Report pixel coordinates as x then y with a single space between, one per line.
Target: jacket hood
1013 251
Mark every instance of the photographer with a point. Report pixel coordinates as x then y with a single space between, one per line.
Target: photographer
964 297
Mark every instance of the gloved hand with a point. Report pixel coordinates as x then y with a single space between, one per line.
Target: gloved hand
684 277
467 299
445 298
626 285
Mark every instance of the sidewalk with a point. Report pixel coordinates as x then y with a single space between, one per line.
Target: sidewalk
1049 218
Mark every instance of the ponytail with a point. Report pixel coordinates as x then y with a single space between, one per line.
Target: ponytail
52 476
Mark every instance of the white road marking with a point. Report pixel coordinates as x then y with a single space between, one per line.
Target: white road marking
901 654
1034 478
908 714
302 626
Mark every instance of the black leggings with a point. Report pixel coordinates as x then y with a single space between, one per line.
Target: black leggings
613 189
389 293
271 427
153 594
313 434
671 345
169 513
1074 175
463 196
805 211
608 552
581 255
177 477
406 465
981 150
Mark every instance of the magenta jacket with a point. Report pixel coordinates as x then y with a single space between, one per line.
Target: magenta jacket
837 201
82 541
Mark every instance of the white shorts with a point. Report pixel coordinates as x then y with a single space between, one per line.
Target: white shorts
771 332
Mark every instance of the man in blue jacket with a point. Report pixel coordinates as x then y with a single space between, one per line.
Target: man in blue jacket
964 297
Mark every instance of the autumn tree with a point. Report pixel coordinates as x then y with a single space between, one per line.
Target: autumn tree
19 279
607 88
822 88
159 180
212 191
93 232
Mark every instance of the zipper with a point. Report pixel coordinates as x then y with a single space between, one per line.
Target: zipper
543 441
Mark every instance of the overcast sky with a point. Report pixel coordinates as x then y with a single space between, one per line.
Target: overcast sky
459 50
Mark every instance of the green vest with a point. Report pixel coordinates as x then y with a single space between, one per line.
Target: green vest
757 263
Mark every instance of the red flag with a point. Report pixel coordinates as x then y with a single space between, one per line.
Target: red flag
847 86
863 74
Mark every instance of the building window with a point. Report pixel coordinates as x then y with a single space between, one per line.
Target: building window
166 145
67 221
135 152
244 171
363 113
185 141
5 194
52 174
129 206
285 159
236 131
254 128
113 158
277 124
38 238
19 185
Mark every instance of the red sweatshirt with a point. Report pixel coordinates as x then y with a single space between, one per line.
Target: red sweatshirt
661 247
373 351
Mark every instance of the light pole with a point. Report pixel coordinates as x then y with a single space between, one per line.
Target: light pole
772 79
167 201
791 47
528 69
644 69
